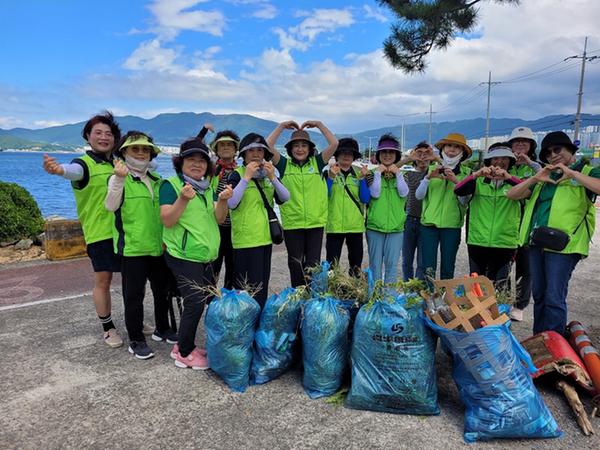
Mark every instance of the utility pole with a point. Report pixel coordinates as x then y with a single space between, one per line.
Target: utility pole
430 121
487 116
584 58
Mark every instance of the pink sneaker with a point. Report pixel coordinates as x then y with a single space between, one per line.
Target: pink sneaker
194 360
175 351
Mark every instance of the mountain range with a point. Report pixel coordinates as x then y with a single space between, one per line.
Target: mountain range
173 128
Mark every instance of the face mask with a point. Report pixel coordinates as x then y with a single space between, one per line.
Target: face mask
136 165
260 174
199 186
451 162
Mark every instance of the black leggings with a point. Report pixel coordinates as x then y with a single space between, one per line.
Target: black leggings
225 253
252 267
493 263
191 278
135 270
304 252
354 244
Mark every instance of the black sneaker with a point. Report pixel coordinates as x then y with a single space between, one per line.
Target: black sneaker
140 350
169 336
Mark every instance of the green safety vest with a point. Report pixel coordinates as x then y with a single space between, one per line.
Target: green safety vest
571 211
493 218
249 220
195 236
343 215
138 230
307 206
387 212
441 207
96 220
522 171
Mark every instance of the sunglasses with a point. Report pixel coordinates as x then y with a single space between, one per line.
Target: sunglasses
556 149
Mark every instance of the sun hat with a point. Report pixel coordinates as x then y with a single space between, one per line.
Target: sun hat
254 140
138 139
213 144
300 135
456 139
347 145
388 142
524 133
556 138
194 147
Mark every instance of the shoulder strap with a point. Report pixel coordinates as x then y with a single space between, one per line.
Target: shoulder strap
270 211
354 200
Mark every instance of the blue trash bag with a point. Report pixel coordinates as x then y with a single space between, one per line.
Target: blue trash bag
319 281
324 332
275 337
230 323
500 398
393 361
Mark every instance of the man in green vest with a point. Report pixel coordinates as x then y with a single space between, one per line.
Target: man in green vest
558 225
89 178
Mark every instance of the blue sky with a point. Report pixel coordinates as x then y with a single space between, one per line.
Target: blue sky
67 59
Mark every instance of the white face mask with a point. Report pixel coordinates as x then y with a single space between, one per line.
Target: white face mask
136 165
451 162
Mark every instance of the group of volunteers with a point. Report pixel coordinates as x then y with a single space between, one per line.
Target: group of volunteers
534 209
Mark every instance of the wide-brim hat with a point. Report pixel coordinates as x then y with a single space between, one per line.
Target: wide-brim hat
523 133
213 144
347 145
556 138
300 135
456 139
139 140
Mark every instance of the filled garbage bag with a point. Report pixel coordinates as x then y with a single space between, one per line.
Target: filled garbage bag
319 280
500 398
230 322
275 337
393 361
324 332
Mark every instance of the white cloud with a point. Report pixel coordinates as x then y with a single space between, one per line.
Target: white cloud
316 22
374 13
151 56
266 11
173 16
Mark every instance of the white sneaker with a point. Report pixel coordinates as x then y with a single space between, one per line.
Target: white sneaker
516 314
148 330
112 338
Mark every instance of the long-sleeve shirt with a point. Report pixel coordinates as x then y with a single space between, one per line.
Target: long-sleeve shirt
239 187
364 193
114 196
375 187
467 186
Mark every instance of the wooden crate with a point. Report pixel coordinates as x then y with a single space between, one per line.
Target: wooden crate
468 311
64 240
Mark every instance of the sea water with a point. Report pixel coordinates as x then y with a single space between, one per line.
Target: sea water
53 193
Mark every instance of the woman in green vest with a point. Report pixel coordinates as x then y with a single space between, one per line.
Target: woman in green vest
386 215
304 217
443 212
523 145
137 236
348 193
492 219
561 202
89 178
250 233
191 236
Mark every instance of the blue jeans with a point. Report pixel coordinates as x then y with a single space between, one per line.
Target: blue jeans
550 275
384 250
448 240
409 247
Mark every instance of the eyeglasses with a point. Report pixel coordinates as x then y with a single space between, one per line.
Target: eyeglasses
556 149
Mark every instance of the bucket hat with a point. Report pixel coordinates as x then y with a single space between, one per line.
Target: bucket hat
255 140
556 138
524 133
456 139
347 145
300 135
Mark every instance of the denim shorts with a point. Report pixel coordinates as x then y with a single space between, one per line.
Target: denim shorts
103 256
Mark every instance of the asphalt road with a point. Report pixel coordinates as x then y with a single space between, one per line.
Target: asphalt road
62 387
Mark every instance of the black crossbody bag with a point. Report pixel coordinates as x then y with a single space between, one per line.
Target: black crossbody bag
553 238
274 226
